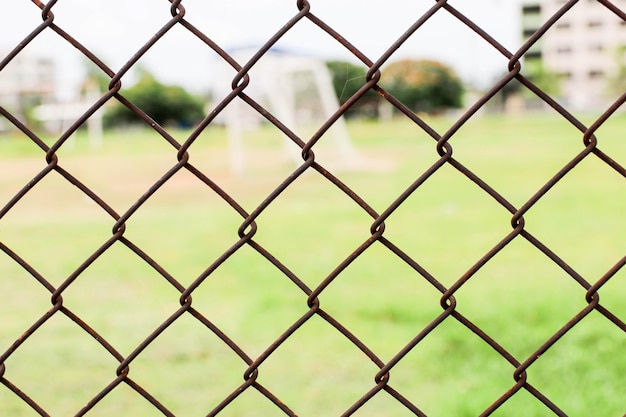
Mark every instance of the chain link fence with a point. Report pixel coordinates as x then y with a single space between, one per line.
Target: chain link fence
121 356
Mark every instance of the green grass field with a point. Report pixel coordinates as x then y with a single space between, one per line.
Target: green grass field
520 298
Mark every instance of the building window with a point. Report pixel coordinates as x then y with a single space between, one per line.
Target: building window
565 75
595 74
594 24
596 47
528 33
532 55
563 50
563 25
531 9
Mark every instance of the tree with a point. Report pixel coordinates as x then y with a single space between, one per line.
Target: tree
165 104
423 85
348 78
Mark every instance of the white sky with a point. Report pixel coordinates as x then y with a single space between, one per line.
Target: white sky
115 29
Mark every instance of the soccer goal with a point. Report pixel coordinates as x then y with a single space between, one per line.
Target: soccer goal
295 88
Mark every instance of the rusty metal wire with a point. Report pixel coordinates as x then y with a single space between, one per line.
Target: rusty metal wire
304 11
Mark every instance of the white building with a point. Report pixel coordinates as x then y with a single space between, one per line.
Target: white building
582 48
26 75
25 82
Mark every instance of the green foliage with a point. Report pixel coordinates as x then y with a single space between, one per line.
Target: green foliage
165 104
348 78
423 85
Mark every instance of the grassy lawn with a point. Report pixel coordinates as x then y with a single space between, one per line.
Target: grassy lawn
520 298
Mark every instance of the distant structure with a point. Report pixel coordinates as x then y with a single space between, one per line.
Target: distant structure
532 20
26 81
28 89
295 88
56 117
582 48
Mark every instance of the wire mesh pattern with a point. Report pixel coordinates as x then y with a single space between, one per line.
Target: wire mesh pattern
252 364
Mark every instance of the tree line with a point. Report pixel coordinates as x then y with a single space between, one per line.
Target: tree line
421 85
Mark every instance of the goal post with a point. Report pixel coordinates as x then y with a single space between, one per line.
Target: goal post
276 82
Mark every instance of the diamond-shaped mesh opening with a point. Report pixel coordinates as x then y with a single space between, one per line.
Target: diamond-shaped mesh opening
250 300
600 233
104 297
320 353
469 45
52 224
392 155
453 363
122 169
563 373
80 364
369 37
210 215
517 164
188 369
400 302
520 278
471 221
297 225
